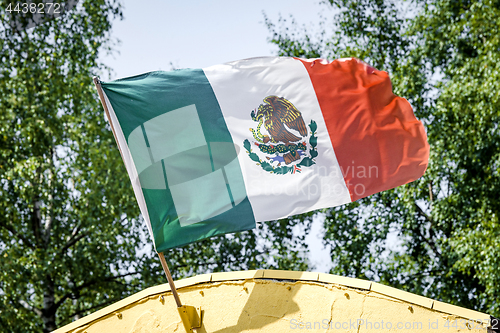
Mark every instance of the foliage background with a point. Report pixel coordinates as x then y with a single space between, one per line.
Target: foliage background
71 238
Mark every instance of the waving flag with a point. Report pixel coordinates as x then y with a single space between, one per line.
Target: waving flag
211 151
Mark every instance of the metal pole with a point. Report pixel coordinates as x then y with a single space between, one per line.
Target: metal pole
97 84
169 278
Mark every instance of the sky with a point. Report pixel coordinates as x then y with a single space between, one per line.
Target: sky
161 35
157 34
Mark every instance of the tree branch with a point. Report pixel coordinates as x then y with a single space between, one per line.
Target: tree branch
72 241
417 230
428 273
35 222
431 196
50 219
76 290
423 214
27 306
91 308
16 234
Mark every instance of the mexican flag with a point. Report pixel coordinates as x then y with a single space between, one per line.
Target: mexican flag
212 151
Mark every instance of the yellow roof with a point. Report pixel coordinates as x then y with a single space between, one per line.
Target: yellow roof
278 301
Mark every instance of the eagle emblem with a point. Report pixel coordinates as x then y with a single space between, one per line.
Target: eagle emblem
287 144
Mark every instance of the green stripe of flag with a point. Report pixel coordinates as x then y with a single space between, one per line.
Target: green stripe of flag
183 152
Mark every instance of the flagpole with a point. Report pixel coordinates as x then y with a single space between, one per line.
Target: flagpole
97 83
191 317
169 278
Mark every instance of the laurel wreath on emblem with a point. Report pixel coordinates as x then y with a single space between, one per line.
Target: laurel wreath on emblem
285 147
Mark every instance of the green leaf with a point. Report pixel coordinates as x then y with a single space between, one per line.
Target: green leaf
313 126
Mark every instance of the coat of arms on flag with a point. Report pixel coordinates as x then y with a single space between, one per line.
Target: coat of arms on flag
287 142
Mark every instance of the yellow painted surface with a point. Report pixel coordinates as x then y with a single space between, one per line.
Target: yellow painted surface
402 295
345 281
240 275
278 301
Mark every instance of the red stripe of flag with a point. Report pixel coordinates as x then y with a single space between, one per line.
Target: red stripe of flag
378 142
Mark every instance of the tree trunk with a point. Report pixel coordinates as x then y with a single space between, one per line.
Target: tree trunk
49 310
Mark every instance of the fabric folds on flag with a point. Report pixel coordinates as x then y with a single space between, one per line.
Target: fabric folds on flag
215 150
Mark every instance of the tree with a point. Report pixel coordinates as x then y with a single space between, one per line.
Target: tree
435 236
66 207
71 237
